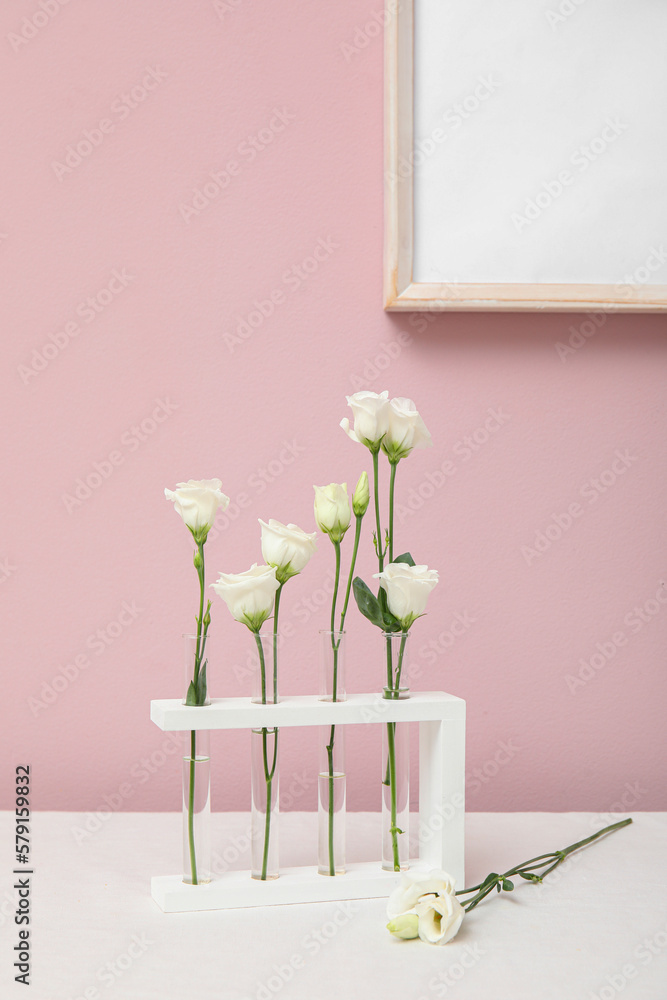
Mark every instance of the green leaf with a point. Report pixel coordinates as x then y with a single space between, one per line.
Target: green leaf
508 885
530 877
389 623
489 878
405 557
191 696
367 603
201 687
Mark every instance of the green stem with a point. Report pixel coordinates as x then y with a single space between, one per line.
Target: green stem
391 754
276 607
269 773
355 549
200 574
268 777
332 860
191 808
546 861
401 651
376 495
392 479
334 692
390 666
262 665
389 693
193 739
336 546
205 634
393 691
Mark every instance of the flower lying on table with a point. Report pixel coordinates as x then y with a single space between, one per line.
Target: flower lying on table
426 906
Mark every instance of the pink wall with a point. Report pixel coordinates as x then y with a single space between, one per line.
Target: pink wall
306 78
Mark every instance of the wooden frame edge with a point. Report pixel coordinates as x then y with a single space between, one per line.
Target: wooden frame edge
400 292
417 297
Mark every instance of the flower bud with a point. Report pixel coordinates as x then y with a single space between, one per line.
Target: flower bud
405 926
362 496
332 510
197 560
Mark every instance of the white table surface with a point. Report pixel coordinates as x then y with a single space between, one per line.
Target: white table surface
597 928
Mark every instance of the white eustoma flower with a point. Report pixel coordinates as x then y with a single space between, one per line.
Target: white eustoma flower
286 547
416 884
197 502
407 589
249 596
440 917
371 418
332 510
406 430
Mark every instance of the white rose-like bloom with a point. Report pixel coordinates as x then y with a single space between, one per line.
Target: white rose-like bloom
406 430
416 884
371 417
332 510
440 917
407 589
249 596
197 502
286 547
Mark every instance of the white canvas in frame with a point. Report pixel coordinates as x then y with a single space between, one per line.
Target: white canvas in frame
525 152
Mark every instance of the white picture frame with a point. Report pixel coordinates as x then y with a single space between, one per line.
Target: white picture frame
638 288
